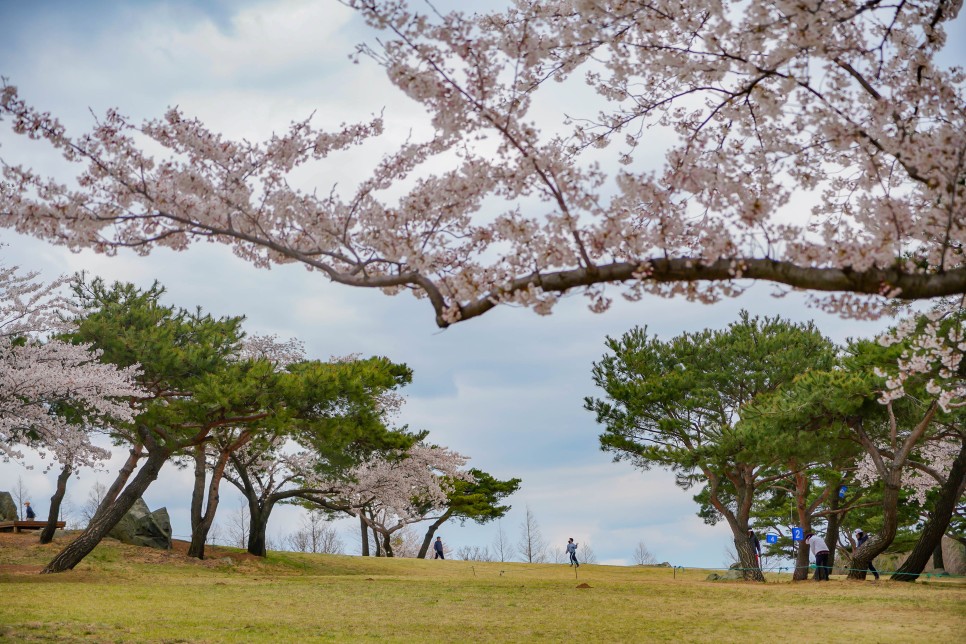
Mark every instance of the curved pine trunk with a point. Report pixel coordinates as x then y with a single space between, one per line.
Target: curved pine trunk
48 532
107 517
935 527
431 532
877 543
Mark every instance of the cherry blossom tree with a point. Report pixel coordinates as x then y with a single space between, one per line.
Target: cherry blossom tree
393 490
813 145
42 378
54 395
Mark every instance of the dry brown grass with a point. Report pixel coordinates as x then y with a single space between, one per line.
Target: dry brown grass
126 594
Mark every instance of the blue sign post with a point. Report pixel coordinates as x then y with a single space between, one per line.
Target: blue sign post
771 538
842 491
797 534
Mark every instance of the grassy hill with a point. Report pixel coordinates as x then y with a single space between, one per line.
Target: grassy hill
127 594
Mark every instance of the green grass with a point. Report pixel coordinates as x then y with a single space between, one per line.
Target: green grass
122 594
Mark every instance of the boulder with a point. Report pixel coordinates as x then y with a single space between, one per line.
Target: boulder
141 527
8 509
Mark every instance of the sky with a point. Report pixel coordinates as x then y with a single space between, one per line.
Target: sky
505 389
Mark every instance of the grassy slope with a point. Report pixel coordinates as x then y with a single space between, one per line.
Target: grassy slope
122 593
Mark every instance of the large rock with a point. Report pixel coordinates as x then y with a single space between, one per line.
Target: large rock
8 509
730 575
141 527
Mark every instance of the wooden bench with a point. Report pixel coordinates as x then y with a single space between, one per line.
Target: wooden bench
19 526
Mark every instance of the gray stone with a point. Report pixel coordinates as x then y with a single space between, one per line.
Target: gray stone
141 527
8 509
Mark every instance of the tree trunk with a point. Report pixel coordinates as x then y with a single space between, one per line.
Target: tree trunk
48 533
197 498
260 512
201 523
877 543
743 481
804 520
123 475
387 545
938 521
801 561
746 557
365 536
107 517
937 557
834 523
431 532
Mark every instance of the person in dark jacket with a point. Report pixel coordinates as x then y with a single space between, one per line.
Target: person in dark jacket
31 515
572 551
860 538
755 545
438 549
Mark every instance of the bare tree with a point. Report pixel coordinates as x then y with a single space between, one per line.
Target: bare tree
238 526
20 495
407 541
501 544
95 496
214 534
316 535
531 547
643 556
587 554
66 513
474 553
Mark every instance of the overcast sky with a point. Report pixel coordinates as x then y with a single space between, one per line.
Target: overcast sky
505 389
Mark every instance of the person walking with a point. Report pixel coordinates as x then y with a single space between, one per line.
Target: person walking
31 515
820 550
572 551
861 537
438 549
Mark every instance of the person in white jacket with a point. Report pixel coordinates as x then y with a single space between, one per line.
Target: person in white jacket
820 550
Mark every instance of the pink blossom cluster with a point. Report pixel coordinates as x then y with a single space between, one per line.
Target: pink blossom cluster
934 352
930 469
398 489
38 373
815 145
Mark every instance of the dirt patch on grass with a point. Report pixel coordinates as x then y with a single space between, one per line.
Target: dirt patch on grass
19 569
584 585
18 548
